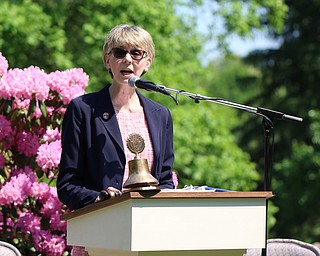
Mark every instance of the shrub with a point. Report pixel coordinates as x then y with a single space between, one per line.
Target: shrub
32 105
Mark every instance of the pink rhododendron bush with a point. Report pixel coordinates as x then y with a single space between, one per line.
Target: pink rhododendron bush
32 105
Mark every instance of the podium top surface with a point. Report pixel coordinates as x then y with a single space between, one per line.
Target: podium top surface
166 194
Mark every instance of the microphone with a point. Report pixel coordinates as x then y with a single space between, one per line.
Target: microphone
137 82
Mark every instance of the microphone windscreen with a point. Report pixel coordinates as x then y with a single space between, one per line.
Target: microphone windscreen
132 81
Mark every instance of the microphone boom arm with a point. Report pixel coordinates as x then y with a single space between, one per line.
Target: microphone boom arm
259 111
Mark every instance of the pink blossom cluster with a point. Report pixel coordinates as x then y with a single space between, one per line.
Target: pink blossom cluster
52 135
27 143
32 105
69 83
16 190
5 127
48 156
23 187
33 82
7 133
4 65
28 222
48 243
24 84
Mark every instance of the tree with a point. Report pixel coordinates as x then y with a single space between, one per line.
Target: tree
31 37
290 80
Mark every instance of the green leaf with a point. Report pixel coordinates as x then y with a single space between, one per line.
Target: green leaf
7 106
43 108
32 107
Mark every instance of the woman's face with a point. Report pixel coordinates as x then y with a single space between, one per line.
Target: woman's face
125 62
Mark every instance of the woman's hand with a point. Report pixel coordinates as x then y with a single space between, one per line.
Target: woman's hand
109 192
113 192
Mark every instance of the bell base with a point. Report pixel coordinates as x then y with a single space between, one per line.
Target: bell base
140 175
147 188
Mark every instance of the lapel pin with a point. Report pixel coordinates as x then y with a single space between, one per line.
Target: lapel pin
105 116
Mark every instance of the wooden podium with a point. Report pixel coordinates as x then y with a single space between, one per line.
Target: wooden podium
171 223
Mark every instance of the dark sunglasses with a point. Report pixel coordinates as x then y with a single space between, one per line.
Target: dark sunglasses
135 54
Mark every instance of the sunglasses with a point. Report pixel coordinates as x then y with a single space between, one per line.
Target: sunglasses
135 54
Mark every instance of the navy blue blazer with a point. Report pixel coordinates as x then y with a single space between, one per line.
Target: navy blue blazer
93 155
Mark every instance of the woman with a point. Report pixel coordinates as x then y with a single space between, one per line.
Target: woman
96 126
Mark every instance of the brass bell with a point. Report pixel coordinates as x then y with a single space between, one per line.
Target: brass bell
140 177
139 174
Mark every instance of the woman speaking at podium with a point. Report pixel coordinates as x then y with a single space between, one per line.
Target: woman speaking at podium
97 125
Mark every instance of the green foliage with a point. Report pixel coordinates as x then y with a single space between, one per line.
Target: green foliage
298 181
30 38
206 153
244 17
232 79
290 82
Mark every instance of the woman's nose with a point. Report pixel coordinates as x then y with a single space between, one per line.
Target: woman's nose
127 58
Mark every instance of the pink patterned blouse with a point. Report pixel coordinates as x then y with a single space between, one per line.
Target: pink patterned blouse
135 123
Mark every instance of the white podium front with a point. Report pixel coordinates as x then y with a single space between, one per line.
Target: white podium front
171 223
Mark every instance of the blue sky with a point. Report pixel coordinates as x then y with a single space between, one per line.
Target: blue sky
260 41
240 47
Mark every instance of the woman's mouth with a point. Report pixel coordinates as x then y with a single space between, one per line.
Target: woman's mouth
126 72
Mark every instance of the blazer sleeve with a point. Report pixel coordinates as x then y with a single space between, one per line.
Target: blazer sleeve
70 188
167 154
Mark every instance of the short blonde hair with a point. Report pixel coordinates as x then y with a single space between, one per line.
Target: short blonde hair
125 35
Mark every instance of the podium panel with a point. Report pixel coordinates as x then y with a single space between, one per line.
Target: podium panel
171 223
102 252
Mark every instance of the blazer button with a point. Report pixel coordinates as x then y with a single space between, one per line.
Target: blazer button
105 116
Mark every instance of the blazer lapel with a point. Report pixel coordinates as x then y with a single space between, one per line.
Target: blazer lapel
107 115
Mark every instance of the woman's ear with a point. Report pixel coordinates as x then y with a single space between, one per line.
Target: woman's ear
106 61
148 65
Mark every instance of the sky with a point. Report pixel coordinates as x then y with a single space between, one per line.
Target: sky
240 47
259 42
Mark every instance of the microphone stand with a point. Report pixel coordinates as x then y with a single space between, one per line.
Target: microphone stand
268 116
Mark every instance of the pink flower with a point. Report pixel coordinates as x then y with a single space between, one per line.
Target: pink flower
50 110
6 132
56 223
175 179
48 156
41 191
28 222
10 84
27 143
9 223
5 127
24 83
69 83
52 135
16 190
36 83
52 204
49 244
4 65
23 106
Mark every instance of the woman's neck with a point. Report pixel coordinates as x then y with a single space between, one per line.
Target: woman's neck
124 99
